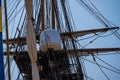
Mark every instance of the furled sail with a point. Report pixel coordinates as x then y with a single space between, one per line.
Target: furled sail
31 41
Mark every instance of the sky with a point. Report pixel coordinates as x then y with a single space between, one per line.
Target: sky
83 20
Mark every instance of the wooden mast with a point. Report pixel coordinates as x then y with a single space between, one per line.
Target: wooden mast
31 41
7 41
42 14
53 17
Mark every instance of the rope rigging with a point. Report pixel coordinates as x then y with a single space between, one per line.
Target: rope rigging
102 66
95 12
102 71
108 64
63 23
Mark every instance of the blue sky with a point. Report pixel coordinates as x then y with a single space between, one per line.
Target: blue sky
83 20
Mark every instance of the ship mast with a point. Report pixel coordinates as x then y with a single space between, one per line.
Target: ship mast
62 64
7 40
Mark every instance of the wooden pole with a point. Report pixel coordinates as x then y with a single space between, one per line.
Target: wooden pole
7 41
53 17
42 13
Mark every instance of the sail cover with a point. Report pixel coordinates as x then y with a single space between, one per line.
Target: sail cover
1 47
